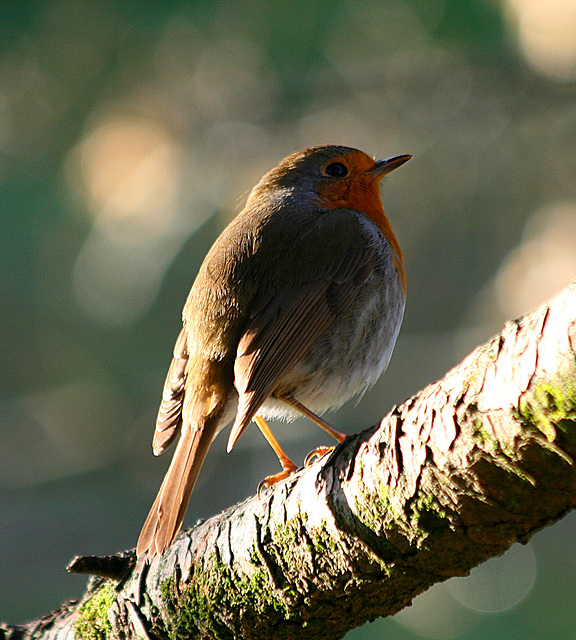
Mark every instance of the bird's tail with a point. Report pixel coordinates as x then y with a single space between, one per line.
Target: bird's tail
167 512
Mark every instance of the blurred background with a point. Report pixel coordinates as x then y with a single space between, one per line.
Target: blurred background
130 134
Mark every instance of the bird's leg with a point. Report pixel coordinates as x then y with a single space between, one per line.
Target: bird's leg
319 451
288 466
337 435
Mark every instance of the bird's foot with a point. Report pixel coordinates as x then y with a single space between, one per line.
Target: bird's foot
317 453
277 477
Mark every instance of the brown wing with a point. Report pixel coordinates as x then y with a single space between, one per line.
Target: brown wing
284 325
169 417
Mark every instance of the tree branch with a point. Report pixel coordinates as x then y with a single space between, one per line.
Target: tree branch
455 475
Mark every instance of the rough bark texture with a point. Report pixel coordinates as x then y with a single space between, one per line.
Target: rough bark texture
455 475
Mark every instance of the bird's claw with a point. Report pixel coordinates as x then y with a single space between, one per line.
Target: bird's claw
277 477
319 452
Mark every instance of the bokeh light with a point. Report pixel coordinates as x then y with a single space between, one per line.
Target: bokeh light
130 173
436 615
499 584
546 31
543 262
451 609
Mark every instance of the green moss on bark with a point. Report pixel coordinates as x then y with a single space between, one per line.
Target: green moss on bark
93 623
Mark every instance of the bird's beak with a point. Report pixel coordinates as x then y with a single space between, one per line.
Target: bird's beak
384 167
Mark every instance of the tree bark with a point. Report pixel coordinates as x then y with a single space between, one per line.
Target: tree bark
455 475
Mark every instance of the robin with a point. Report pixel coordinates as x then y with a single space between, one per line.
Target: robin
295 310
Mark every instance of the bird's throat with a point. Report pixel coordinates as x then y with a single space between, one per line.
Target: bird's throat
365 198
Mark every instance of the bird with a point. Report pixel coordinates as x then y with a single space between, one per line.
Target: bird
295 310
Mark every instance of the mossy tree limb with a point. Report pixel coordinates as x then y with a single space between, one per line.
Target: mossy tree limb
455 475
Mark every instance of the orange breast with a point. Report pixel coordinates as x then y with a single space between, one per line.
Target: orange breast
360 192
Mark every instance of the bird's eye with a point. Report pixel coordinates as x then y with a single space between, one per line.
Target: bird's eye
336 170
